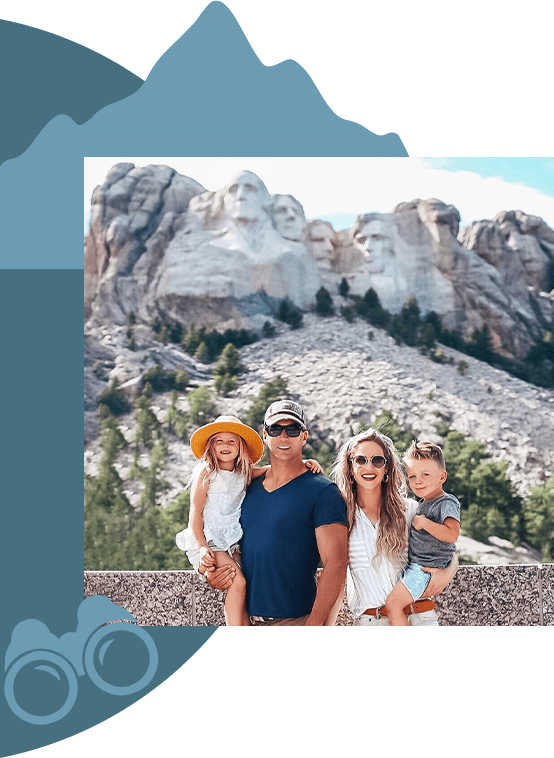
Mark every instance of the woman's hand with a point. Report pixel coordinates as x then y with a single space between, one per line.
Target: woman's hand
440 577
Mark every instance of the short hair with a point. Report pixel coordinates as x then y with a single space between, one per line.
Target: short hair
422 451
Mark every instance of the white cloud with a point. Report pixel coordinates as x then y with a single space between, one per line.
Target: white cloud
332 186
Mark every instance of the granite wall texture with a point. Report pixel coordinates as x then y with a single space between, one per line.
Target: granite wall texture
517 595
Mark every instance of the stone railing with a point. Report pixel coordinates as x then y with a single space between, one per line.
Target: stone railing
516 595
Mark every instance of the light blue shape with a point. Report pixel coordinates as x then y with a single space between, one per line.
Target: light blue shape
208 94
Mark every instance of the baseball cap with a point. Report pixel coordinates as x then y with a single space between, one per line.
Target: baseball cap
282 410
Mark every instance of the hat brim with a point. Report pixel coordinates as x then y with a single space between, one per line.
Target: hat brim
253 441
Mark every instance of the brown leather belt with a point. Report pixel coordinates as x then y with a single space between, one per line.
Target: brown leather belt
420 606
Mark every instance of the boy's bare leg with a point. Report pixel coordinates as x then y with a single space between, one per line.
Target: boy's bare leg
398 599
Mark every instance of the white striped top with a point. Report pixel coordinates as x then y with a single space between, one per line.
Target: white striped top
368 585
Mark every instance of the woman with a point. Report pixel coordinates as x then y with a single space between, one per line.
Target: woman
370 479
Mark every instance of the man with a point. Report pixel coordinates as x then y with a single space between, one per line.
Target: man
291 520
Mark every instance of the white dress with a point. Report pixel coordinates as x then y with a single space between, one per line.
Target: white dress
221 515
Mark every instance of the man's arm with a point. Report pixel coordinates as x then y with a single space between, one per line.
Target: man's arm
332 543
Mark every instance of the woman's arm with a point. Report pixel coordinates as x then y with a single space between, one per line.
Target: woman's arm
440 578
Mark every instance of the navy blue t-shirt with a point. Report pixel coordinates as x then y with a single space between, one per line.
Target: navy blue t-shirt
279 549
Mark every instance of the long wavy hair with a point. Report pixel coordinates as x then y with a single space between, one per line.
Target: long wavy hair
391 540
209 465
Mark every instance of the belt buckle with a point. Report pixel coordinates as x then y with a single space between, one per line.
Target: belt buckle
378 612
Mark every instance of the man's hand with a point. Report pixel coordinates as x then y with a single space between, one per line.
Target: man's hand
220 578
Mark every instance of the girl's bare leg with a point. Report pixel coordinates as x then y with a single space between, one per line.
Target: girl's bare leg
235 602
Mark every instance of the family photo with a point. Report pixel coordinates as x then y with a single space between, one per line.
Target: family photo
312 400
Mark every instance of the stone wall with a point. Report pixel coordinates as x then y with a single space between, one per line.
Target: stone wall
516 595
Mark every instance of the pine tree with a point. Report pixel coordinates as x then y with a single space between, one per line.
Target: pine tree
539 518
324 303
146 544
202 408
175 418
148 428
269 393
229 361
173 519
344 288
108 516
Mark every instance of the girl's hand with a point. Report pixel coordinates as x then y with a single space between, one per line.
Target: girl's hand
314 466
207 557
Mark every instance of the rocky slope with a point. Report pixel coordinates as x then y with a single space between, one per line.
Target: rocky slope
343 377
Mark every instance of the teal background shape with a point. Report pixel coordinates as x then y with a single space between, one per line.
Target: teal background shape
193 103
44 75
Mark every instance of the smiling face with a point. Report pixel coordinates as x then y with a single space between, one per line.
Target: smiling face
367 477
283 447
225 446
425 477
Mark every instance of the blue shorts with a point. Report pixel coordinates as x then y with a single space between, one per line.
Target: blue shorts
415 579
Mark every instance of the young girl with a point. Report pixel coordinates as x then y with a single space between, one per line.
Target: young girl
227 450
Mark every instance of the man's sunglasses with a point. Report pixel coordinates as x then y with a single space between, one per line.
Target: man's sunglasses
292 430
377 461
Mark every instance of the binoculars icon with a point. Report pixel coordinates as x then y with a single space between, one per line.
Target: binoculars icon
118 656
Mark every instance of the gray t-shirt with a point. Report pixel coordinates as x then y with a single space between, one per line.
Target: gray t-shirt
425 549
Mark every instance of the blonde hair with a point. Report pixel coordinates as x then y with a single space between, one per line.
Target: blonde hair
209 465
391 539
424 451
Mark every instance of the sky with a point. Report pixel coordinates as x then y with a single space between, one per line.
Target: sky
338 189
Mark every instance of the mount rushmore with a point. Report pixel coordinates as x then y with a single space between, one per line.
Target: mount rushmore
160 245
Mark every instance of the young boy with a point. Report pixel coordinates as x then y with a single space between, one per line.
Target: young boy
434 531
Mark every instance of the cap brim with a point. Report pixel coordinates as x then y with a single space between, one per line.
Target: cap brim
285 417
252 439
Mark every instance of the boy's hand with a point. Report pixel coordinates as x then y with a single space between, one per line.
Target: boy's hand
314 466
419 522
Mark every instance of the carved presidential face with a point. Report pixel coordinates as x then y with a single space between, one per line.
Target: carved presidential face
434 211
245 198
321 238
288 217
375 243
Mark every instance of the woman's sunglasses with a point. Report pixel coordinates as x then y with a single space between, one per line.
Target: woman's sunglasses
377 461
292 430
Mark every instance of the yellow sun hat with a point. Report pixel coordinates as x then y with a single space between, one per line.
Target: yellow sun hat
253 441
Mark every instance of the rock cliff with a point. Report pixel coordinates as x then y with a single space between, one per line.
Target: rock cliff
160 245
